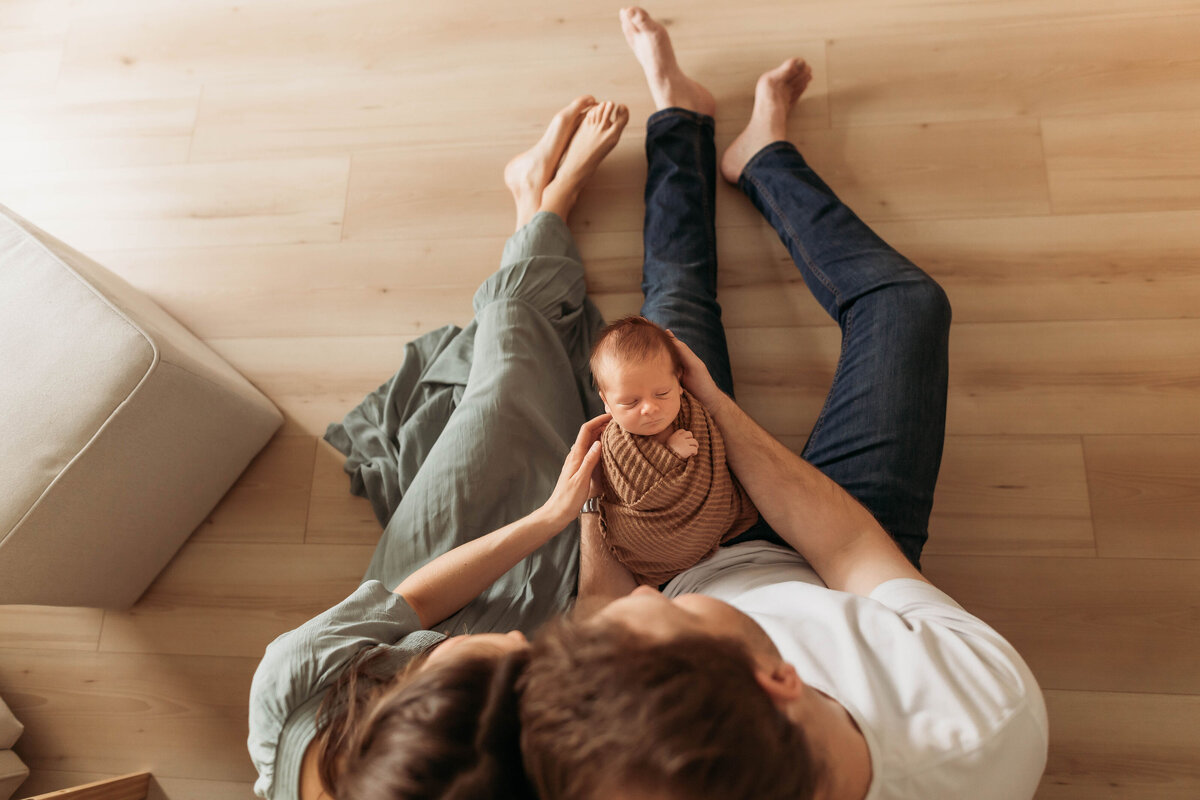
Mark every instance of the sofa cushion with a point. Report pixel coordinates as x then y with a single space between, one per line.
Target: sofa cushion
10 728
77 357
123 428
12 773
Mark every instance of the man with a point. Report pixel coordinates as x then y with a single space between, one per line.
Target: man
830 668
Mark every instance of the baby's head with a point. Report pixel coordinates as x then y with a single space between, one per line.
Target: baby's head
636 368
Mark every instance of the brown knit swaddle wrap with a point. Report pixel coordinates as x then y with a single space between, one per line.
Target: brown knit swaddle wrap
662 514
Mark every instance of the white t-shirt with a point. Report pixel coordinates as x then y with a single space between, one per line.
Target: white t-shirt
947 706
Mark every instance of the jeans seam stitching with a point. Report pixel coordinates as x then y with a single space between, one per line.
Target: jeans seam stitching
709 219
819 425
820 276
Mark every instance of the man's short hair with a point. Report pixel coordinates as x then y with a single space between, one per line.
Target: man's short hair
632 339
605 712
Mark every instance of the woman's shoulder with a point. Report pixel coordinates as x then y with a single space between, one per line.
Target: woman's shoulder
306 654
299 667
295 752
311 787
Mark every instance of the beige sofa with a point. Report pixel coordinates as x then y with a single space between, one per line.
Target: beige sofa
122 430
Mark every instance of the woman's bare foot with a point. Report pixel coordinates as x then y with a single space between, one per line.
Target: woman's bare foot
669 87
596 137
774 96
528 174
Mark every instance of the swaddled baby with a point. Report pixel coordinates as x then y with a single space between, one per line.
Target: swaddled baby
670 499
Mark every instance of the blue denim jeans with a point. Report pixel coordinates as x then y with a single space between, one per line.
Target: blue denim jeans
880 432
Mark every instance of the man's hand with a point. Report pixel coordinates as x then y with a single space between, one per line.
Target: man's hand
696 378
683 444
575 481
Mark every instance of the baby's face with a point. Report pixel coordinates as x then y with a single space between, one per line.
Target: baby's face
643 398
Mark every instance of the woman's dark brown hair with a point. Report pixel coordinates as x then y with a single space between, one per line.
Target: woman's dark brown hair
365 678
449 731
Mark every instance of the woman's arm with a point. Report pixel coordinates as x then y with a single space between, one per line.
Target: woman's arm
453 579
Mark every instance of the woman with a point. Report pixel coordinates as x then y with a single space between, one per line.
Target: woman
467 437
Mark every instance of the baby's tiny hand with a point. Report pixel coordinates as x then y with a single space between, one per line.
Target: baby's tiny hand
683 444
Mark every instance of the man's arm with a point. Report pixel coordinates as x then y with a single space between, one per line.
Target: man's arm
835 534
601 577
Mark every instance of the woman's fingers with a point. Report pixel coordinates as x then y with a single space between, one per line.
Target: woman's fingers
590 459
580 485
590 432
592 429
582 459
587 445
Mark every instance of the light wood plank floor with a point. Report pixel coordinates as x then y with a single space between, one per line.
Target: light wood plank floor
309 184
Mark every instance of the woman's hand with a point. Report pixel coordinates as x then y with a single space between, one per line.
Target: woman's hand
575 481
695 378
446 584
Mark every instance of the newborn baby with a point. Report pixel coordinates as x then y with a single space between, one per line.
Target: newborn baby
670 500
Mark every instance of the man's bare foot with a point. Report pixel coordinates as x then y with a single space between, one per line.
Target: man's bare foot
775 94
528 174
669 87
596 137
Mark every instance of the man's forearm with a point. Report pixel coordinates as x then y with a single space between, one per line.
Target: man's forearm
601 576
811 512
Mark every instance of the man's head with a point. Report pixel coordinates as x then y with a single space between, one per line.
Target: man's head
637 370
653 698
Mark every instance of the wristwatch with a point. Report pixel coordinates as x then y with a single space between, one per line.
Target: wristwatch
591 505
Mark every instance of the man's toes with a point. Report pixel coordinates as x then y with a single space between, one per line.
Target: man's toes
628 26
799 81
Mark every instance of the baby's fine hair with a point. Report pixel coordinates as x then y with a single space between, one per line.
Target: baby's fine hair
629 340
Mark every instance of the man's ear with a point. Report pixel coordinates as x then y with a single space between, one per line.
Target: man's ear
780 681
